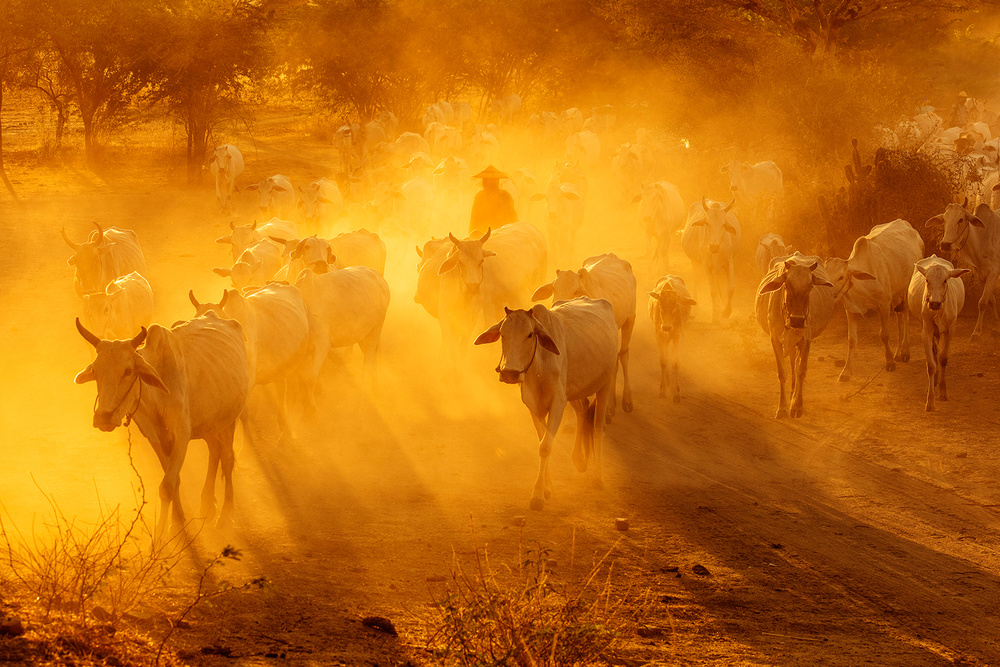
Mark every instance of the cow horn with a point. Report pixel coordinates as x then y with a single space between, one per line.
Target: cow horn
704 204
74 246
232 225
420 253
193 300
139 337
732 201
453 239
100 234
225 295
87 336
486 235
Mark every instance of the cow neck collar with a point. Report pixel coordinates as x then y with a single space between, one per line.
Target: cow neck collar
524 370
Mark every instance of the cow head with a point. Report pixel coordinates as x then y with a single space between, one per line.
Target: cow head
672 306
240 237
87 258
521 335
956 221
650 201
267 192
467 257
797 279
717 224
118 370
734 169
567 285
842 276
936 278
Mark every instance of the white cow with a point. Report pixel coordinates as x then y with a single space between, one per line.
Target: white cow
107 255
751 182
769 247
487 274
584 147
121 310
875 278
973 239
602 277
258 264
402 149
320 200
243 236
564 355
936 296
670 308
794 304
432 256
226 164
627 166
711 238
346 307
507 107
188 382
275 195
484 149
276 328
358 248
662 213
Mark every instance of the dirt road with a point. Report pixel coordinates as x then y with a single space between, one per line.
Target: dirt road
866 532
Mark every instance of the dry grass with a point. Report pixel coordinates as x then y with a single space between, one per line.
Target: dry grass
525 615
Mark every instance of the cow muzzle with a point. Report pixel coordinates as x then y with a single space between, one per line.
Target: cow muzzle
508 376
795 322
714 249
945 245
106 421
934 305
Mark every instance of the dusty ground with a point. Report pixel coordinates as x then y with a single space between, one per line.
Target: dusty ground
864 533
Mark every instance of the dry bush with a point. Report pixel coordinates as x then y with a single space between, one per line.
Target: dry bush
522 615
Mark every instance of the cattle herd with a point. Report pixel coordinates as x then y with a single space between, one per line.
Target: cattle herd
295 297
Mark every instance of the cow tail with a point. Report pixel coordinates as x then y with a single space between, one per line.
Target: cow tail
588 434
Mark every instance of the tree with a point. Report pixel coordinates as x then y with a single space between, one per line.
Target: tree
102 50
16 43
206 55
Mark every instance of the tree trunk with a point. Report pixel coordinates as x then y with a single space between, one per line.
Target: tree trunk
197 148
3 169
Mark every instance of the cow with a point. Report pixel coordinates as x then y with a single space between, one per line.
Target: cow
936 296
769 247
973 239
107 255
522 185
751 182
357 248
226 164
276 328
566 354
402 149
875 277
602 277
584 147
320 200
626 164
484 147
669 309
794 304
432 256
243 236
506 108
346 307
121 310
662 213
186 383
711 238
439 112
275 195
463 114
571 120
258 264
443 139
487 274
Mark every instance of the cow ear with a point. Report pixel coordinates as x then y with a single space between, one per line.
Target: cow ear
224 239
543 292
724 169
636 199
448 264
331 258
323 200
86 375
148 375
279 188
488 253
545 340
572 196
687 301
922 270
491 335
772 285
225 273
957 273
936 220
976 222
71 261
861 275
252 187
822 282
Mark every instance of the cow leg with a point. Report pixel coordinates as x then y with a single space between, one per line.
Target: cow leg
601 401
731 288
675 365
943 362
852 343
279 395
800 377
208 490
369 348
713 290
543 485
228 457
779 357
988 286
247 426
883 334
584 435
321 348
175 448
903 324
627 328
662 343
930 354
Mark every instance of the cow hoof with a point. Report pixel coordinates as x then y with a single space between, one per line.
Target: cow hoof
677 398
208 512
890 366
224 522
976 336
663 394
942 397
929 408
627 406
904 357
845 377
726 312
536 504
781 413
796 412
